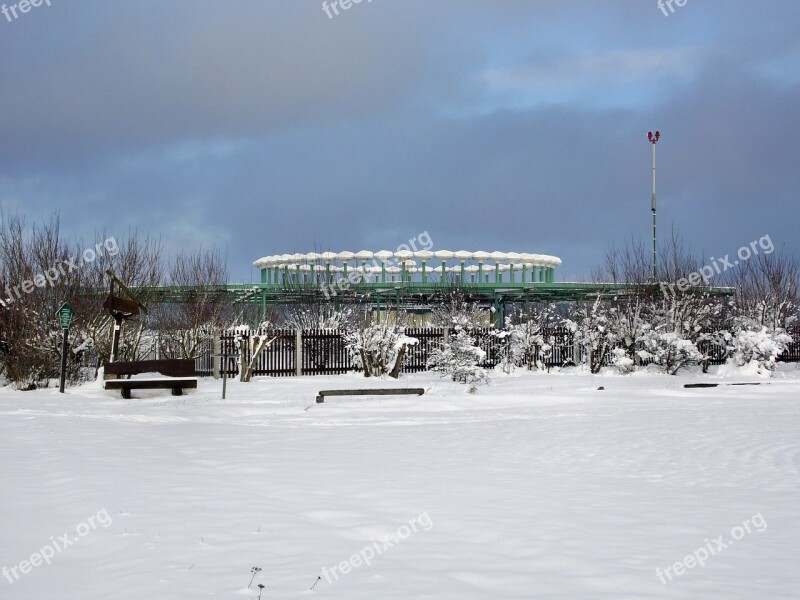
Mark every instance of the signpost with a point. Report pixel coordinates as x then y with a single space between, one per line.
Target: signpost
224 362
64 314
120 309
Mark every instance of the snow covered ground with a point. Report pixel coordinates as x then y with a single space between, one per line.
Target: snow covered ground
537 486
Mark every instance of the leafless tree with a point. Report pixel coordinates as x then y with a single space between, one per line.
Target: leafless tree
318 314
28 323
454 308
137 261
379 346
631 263
628 263
185 323
40 270
767 289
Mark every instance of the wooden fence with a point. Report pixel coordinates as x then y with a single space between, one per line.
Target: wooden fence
323 352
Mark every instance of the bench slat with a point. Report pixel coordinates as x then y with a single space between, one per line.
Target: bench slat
371 392
174 367
141 384
126 385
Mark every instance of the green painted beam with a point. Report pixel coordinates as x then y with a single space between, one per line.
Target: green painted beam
406 292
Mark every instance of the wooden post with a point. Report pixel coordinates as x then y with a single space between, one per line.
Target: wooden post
298 352
115 337
64 344
216 360
64 314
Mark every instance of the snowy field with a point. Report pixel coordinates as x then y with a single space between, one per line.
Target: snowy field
537 486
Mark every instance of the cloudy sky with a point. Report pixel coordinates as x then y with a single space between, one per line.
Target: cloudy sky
264 126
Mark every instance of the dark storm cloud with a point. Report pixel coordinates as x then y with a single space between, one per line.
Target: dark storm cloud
154 73
266 127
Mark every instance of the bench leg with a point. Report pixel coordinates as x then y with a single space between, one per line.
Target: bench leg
320 399
177 390
126 393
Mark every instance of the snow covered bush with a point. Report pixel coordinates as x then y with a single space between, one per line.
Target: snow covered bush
593 337
765 307
627 320
459 357
622 362
524 343
317 316
379 348
678 323
669 350
453 309
33 358
459 354
753 344
768 290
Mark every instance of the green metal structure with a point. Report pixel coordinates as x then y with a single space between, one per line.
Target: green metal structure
417 296
396 282
393 281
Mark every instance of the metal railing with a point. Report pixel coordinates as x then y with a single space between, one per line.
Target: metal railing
323 352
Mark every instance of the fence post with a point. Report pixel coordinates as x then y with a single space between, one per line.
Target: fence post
298 352
216 342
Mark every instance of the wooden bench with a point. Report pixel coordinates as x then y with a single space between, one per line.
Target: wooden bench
376 392
713 385
180 375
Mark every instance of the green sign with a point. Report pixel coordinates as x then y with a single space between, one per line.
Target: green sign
65 314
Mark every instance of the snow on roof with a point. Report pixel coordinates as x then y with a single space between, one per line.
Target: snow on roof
328 258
